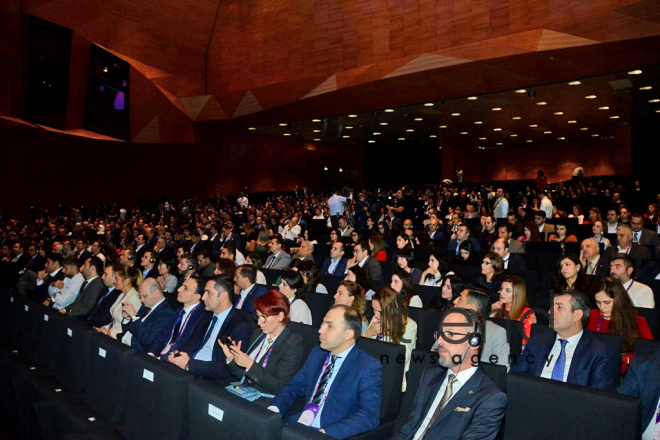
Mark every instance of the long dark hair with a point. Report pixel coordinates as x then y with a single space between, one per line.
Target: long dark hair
581 282
623 320
457 286
407 286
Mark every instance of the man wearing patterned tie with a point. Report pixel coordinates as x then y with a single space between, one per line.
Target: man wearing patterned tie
141 328
341 383
571 353
456 400
642 381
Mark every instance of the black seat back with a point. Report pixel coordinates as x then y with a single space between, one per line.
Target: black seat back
309 334
319 304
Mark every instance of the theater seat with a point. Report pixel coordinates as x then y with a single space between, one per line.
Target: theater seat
213 409
545 409
646 344
319 304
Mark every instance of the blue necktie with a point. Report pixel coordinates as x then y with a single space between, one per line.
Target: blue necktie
636 238
177 326
558 370
208 333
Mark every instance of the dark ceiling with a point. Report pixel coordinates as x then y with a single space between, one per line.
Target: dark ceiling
540 114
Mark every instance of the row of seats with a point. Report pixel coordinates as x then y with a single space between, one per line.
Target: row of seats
63 380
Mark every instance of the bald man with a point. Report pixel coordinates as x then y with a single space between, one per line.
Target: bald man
142 327
593 263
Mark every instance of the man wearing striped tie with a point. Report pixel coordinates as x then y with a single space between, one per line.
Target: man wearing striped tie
340 382
456 400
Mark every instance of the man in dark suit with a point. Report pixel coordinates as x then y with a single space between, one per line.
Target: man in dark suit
572 354
205 266
489 234
592 262
140 247
141 328
245 278
149 263
82 254
35 261
340 382
362 258
89 291
641 235
642 381
202 355
456 400
100 314
185 320
279 258
625 245
462 234
511 261
51 273
336 264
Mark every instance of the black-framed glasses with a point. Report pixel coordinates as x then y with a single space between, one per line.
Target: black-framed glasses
449 335
487 263
259 318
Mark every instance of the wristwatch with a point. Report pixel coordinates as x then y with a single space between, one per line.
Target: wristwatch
187 367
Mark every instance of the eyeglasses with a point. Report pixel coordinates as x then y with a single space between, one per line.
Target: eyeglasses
449 335
259 318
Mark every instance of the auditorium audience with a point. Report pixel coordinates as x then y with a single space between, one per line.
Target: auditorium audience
90 289
63 291
622 267
405 260
467 255
255 260
311 277
166 279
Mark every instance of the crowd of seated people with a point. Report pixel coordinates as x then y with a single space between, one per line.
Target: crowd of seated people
170 282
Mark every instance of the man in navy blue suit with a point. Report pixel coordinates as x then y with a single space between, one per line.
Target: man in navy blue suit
185 320
336 264
340 383
141 328
457 401
642 381
572 354
201 355
245 278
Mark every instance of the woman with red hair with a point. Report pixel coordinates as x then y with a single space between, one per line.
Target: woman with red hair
274 355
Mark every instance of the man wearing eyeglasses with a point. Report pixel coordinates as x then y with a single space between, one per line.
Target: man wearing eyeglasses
362 258
456 400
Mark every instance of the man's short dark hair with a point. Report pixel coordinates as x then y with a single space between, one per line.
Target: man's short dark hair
73 261
97 264
278 238
507 225
249 271
480 298
190 259
365 246
200 283
615 209
55 258
627 259
467 228
231 250
352 320
204 253
579 301
540 213
131 255
224 283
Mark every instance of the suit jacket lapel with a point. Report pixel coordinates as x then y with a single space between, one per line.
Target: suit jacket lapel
472 386
582 347
256 342
547 348
346 367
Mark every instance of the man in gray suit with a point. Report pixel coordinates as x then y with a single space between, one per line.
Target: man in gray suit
362 258
505 232
279 258
305 252
495 347
89 291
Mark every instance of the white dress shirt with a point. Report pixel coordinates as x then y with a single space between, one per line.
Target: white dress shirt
569 350
69 292
461 378
206 352
640 294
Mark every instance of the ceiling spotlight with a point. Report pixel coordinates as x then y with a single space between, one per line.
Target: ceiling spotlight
383 123
345 136
497 129
352 116
614 117
455 114
533 126
472 98
443 126
635 72
317 139
594 135
541 103
516 118
603 108
348 127
402 139
287 134
645 88
317 131
574 83
418 119
376 133
547 132
433 136
325 168
464 132
372 142
283 124
252 128
572 121
559 113
341 170
521 91
654 100
410 130
590 97
514 135
428 104
496 109
316 120
478 122
584 128
389 110
528 140
499 143
561 138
